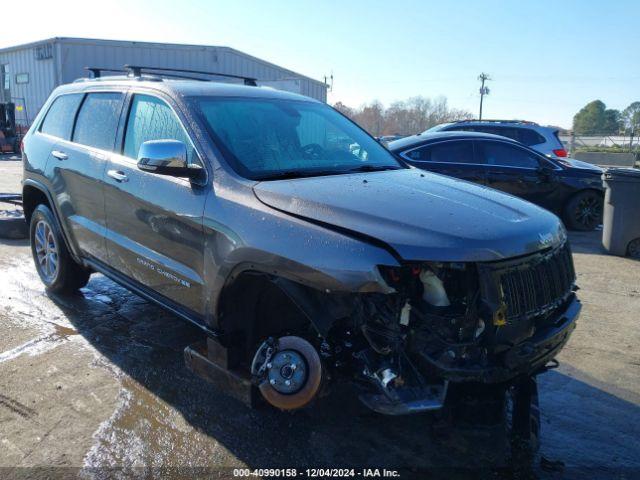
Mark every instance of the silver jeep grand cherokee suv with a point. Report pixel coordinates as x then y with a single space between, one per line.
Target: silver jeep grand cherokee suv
304 260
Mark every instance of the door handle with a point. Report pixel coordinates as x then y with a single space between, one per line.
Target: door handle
59 155
118 176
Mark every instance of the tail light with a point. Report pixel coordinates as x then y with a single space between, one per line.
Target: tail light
560 152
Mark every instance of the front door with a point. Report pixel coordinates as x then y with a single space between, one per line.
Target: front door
154 222
516 170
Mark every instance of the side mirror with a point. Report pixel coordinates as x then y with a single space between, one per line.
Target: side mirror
166 157
545 170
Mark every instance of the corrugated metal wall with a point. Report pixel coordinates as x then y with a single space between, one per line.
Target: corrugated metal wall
41 80
78 53
69 57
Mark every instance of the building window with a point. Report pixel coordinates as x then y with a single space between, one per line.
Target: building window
22 78
5 83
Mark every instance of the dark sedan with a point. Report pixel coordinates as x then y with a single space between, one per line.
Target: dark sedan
569 188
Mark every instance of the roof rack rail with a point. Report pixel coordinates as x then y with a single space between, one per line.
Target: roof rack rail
137 70
489 120
97 71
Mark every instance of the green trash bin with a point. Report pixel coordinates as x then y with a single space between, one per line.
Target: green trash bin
621 230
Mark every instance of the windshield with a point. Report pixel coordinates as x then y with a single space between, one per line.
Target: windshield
437 128
269 139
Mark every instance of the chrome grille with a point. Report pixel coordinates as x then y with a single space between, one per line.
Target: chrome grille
536 286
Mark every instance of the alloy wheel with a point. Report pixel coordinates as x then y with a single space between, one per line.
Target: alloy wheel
46 251
588 212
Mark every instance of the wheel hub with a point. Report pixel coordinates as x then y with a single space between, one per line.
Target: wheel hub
588 211
287 372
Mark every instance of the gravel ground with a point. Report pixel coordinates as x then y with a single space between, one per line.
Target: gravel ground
94 386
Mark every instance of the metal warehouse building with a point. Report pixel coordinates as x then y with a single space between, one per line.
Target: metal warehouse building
29 72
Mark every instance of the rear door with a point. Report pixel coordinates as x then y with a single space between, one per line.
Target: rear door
77 166
516 170
56 125
454 158
154 222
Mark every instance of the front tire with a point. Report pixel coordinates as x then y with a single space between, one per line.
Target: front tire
523 420
57 270
583 211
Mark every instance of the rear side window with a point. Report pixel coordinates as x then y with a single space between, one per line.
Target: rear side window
501 154
152 119
419 154
447 152
526 136
529 137
483 129
98 120
59 119
556 135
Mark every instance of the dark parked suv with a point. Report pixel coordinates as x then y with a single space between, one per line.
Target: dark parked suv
545 140
567 187
305 261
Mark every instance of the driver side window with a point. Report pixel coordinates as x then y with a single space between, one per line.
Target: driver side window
152 119
501 154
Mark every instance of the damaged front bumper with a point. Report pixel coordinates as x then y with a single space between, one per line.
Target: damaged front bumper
502 366
525 358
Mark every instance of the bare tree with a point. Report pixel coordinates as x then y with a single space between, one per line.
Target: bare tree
371 117
344 109
406 117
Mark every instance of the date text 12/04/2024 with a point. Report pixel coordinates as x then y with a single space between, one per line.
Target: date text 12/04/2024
318 472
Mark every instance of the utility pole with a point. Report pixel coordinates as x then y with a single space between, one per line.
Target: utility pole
483 77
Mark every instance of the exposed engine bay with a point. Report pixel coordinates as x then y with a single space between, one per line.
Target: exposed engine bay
444 323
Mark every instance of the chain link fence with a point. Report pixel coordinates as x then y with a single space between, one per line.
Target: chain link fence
617 143
604 150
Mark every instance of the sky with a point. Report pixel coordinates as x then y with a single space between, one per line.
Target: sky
546 58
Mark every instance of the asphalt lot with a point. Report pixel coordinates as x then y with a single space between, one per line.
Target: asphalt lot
96 381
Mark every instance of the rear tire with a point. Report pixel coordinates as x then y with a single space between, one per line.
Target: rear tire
57 270
633 250
583 211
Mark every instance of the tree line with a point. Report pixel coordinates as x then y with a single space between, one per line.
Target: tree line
595 118
405 117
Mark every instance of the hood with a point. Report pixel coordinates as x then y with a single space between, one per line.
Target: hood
573 163
420 215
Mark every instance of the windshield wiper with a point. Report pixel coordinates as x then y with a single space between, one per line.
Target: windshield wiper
289 174
374 168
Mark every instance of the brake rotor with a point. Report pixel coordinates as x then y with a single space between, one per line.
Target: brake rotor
291 374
